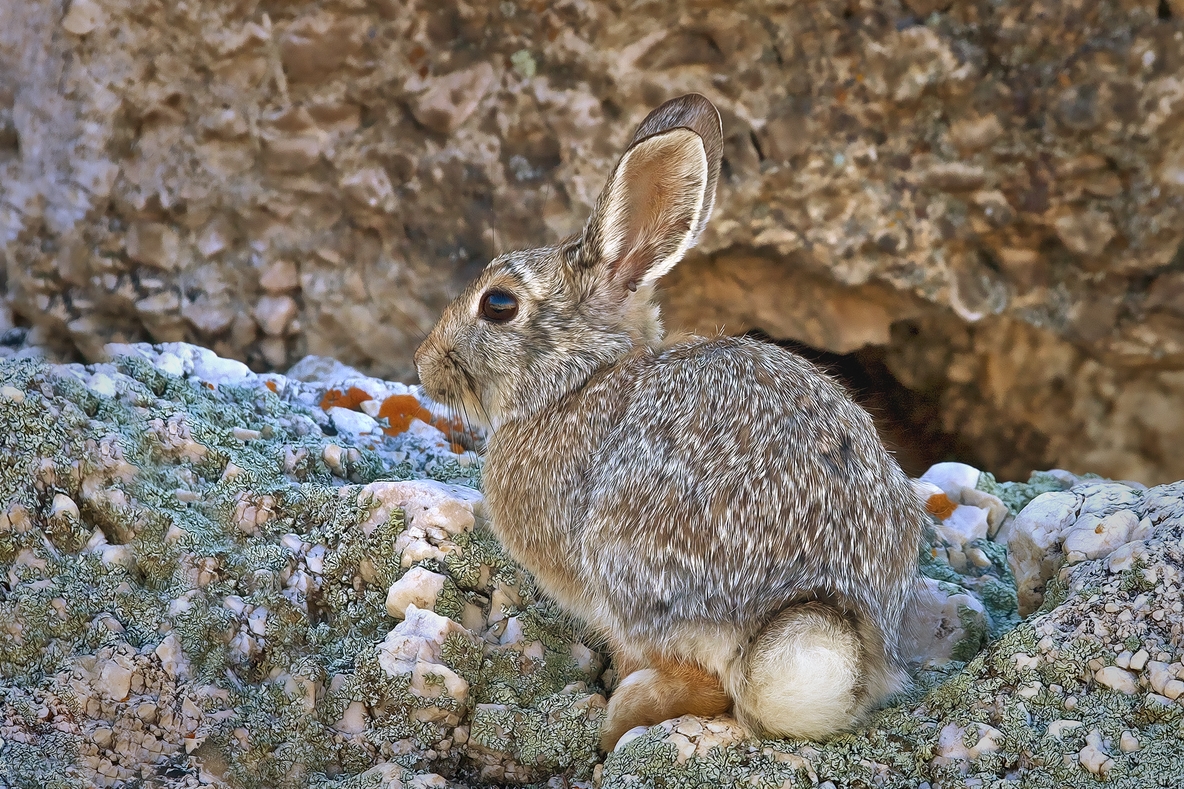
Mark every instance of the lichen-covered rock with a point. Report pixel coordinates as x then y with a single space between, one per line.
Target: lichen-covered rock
194 594
990 191
196 569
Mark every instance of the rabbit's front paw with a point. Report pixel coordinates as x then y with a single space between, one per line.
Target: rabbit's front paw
653 695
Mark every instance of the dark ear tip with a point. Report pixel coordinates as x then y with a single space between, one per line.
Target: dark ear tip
692 111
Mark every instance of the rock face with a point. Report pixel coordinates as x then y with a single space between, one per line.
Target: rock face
207 581
990 192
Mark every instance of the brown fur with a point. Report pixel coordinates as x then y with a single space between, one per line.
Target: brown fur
718 504
665 689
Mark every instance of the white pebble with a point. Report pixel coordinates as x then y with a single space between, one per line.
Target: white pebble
171 364
115 681
355 719
353 423
1093 756
952 478
419 587
1116 678
101 383
315 559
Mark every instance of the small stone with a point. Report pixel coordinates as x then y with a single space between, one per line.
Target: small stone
951 742
1093 756
370 187
332 456
115 681
280 276
965 524
274 313
1030 691
1139 660
353 423
630 736
245 434
447 101
275 350
427 505
12 393
1124 556
1085 234
214 369
257 620
419 587
952 478
978 557
938 622
1124 659
83 17
1128 742
206 317
355 719
172 657
1158 674
997 511
1173 689
146 711
975 133
63 507
370 408
153 244
1117 679
103 737
101 384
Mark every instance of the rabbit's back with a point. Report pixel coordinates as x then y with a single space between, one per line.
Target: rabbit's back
739 479
709 485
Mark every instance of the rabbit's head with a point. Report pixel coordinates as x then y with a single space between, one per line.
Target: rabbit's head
537 324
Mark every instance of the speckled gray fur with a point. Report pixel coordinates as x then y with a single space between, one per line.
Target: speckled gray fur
677 495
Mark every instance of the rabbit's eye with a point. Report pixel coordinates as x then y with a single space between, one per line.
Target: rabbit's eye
498 306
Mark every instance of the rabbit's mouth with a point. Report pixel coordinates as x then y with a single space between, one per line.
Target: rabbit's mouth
446 380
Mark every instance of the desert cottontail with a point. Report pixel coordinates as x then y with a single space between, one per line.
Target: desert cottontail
717 508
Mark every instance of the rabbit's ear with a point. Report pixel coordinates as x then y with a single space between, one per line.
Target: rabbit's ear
660 195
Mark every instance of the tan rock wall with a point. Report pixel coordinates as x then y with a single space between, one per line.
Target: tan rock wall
992 191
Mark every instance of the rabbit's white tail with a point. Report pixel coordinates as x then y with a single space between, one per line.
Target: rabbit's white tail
805 676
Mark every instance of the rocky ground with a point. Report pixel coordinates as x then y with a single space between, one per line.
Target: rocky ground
990 193
210 577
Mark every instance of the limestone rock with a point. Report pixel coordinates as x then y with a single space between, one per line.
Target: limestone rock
897 177
220 539
418 587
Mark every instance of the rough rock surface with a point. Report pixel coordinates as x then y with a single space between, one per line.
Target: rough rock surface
991 192
205 581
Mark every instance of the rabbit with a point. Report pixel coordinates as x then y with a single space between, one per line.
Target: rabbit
717 509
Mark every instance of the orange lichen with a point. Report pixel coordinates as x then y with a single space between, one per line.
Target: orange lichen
457 449
270 385
335 398
939 505
399 410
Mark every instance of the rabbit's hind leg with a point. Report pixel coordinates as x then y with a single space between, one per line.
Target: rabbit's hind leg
660 692
802 676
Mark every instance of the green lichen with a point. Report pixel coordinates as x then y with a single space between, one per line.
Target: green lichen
1017 495
170 516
